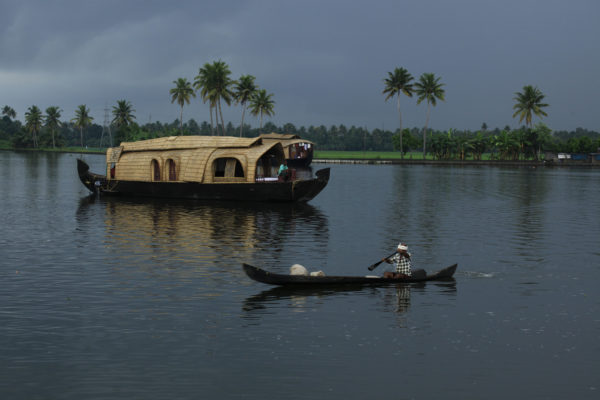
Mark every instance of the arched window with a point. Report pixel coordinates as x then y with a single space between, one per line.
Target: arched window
172 170
228 168
155 171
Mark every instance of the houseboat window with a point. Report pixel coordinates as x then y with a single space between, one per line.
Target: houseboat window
228 167
172 170
155 171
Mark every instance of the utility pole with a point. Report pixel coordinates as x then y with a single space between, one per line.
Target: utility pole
106 127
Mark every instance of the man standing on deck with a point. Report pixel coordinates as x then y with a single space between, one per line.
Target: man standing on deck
284 172
402 261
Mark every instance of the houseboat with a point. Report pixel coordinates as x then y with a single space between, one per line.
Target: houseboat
203 168
298 152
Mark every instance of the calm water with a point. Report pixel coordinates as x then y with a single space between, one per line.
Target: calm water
146 299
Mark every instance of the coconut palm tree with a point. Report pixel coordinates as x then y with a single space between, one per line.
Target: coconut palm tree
123 113
53 121
82 119
181 93
529 102
429 89
33 122
9 112
219 87
244 90
261 103
215 85
397 83
203 83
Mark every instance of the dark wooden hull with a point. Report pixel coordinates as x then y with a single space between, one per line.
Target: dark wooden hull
263 276
296 191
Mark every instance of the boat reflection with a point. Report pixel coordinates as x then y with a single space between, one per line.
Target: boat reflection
395 297
203 231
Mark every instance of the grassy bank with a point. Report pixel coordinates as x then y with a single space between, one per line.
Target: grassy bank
378 155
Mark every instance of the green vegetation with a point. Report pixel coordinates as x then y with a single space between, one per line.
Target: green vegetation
382 155
82 120
181 94
429 89
245 90
262 104
528 102
33 122
213 82
397 83
53 121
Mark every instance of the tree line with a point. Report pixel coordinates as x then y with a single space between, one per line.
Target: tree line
503 143
214 85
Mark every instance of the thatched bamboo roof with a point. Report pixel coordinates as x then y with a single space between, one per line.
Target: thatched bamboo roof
192 155
285 138
189 142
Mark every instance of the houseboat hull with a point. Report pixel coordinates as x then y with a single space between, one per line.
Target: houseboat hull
292 191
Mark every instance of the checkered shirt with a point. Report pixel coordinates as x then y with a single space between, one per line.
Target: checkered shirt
402 264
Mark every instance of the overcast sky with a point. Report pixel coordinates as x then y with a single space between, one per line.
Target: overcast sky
324 61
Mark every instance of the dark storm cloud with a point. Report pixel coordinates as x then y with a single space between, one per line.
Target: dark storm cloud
324 61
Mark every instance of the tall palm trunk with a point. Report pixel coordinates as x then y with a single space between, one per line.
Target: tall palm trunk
260 131
53 143
181 122
243 113
400 120
222 120
212 124
81 135
425 132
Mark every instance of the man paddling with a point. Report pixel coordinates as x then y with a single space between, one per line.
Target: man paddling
402 261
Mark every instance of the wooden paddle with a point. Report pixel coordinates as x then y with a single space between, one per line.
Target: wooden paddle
372 267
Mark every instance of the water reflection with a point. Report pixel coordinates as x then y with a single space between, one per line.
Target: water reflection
204 231
396 298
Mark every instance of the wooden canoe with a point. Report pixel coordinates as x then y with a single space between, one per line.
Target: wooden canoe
271 278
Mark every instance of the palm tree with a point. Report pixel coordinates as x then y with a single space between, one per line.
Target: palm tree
528 102
181 93
397 83
203 83
244 90
53 121
215 85
262 104
82 119
123 113
430 89
33 122
9 112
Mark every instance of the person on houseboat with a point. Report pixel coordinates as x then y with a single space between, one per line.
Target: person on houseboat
284 172
402 263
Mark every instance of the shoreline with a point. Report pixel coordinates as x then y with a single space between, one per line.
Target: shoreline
493 163
389 161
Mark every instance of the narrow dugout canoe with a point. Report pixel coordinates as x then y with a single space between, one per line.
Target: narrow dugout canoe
271 278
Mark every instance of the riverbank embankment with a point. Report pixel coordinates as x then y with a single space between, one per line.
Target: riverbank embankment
495 163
